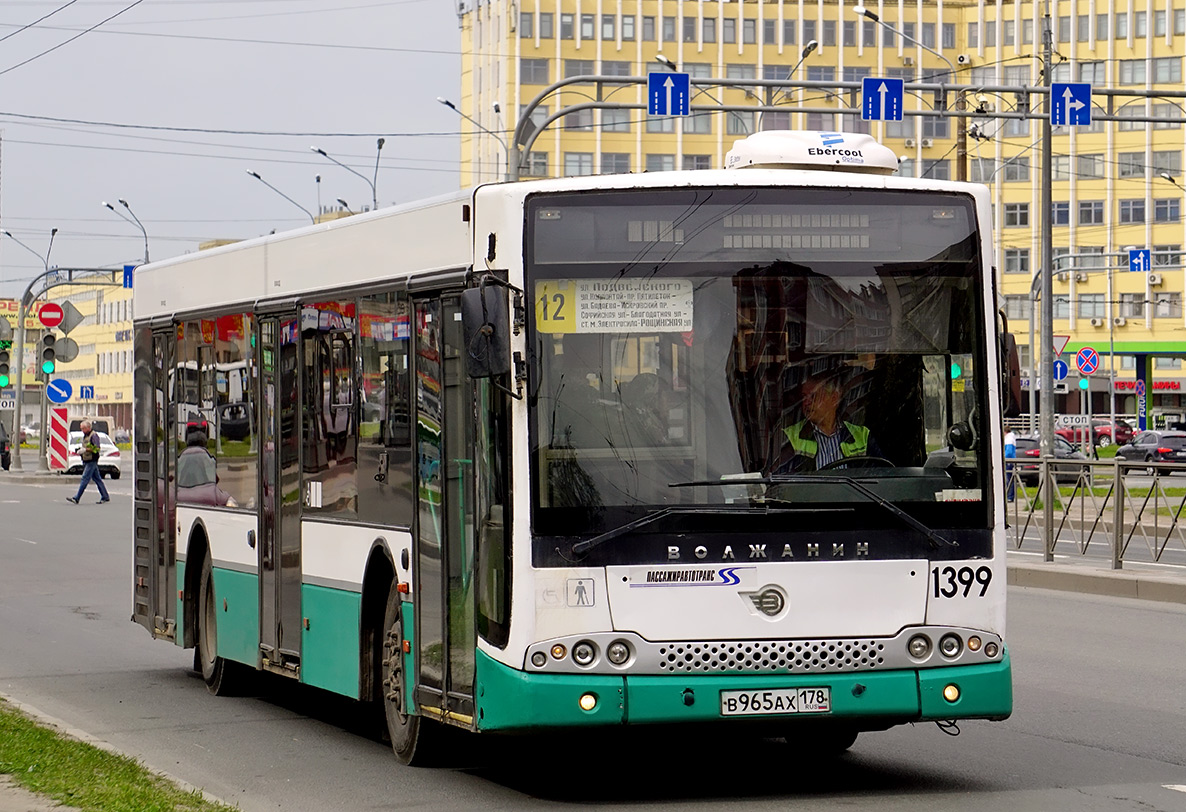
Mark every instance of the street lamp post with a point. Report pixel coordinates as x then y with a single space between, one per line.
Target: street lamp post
961 132
491 133
255 175
371 183
345 206
134 220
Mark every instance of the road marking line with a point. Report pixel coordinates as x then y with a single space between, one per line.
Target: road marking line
26 541
1175 787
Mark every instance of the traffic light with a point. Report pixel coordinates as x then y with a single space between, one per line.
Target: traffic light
47 353
4 361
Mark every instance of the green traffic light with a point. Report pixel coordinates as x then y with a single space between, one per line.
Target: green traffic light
1084 383
47 367
3 381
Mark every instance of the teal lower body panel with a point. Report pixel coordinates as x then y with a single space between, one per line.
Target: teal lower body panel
510 699
237 597
330 654
179 637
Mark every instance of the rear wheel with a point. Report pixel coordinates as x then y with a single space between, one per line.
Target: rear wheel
1150 470
1104 441
411 736
222 678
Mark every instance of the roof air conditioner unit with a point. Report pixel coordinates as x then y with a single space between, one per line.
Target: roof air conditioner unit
1080 277
1154 279
910 143
1120 321
1062 276
1097 322
928 142
908 61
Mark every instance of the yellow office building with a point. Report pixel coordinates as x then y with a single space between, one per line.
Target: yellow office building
1115 184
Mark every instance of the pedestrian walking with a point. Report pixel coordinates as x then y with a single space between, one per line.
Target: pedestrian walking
90 465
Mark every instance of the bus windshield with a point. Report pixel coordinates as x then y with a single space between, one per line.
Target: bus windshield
693 347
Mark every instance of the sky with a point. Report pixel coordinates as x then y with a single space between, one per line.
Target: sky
169 104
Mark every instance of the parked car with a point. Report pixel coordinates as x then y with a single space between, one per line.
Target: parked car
108 455
29 433
1030 447
1155 446
1103 432
234 421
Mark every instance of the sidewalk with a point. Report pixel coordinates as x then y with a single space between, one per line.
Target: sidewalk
1091 576
17 799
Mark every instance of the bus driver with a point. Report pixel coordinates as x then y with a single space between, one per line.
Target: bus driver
822 438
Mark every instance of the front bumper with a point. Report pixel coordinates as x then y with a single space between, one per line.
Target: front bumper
510 699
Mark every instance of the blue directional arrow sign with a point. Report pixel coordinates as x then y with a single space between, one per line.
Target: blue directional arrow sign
1070 104
1060 370
669 94
59 390
86 393
1140 259
881 99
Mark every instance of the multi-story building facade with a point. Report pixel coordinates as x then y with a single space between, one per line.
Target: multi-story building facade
1115 184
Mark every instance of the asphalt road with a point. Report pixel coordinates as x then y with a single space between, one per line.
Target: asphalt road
1099 721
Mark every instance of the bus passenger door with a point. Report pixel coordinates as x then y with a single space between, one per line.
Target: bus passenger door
154 452
444 572
279 544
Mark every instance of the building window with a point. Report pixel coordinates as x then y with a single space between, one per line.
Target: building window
809 30
615 121
829 33
1130 72
1167 70
609 24
948 35
669 29
660 124
616 67
1092 72
1017 214
1167 210
1017 260
567 30
1060 167
1120 30
906 168
526 25
1140 24
848 32
1130 164
1132 211
740 71
660 163
698 123
1101 27
536 165
1090 166
533 71
973 35
1167 305
578 163
546 24
775 121
710 29
749 31
579 120
1018 168
1018 307
588 26
788 32
615 163
578 67
738 123
1062 307
928 35
689 29
1163 113
1167 255
729 30
697 162
1168 161
648 29
936 170
1083 26
1091 305
770 32
1091 212
1132 305
1161 362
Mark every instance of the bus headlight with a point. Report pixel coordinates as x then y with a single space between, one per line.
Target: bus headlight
919 646
950 645
618 652
538 659
583 653
991 650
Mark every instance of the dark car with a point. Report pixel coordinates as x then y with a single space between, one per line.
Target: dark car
1155 446
1102 432
234 421
5 450
1030 447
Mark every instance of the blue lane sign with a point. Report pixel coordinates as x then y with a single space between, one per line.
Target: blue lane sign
59 390
86 393
1060 370
1087 360
128 269
1140 259
1070 104
669 94
882 99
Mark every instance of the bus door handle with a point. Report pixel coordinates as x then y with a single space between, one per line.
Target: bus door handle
251 539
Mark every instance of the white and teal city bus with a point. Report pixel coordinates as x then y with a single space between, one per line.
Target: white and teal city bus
537 455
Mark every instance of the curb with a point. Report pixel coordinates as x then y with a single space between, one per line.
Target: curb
64 729
1098 581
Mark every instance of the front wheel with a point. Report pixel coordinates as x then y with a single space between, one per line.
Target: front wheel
1104 441
411 736
1150 471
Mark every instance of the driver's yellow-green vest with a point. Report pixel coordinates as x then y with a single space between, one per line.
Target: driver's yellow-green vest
802 439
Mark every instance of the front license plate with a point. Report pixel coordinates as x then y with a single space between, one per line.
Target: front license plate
777 701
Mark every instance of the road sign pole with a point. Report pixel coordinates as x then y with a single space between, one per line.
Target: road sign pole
42 460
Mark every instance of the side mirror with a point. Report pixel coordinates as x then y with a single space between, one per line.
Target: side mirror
961 436
485 328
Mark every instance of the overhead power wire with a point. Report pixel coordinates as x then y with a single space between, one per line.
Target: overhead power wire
83 33
27 26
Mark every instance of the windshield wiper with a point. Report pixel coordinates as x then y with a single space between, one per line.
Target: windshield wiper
582 547
933 538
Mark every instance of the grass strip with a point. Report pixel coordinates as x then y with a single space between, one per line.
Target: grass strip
83 776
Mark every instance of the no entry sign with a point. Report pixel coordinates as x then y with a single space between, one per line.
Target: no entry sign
51 314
